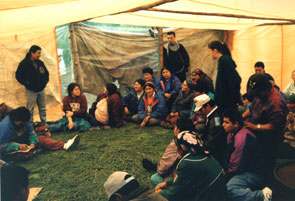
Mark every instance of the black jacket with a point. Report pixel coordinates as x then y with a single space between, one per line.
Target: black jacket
33 79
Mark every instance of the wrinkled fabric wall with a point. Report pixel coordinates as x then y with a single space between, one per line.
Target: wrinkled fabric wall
104 57
273 45
11 53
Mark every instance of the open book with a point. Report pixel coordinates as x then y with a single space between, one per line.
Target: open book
21 151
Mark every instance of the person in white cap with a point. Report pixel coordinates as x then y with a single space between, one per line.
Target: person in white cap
4 109
121 186
214 136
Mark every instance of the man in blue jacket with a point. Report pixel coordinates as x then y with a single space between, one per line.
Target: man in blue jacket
32 73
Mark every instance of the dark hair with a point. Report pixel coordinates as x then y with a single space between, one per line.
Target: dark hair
20 114
112 88
234 116
13 180
164 68
201 73
148 70
211 103
140 81
220 47
171 33
71 87
259 64
185 124
246 96
127 188
150 84
34 48
189 84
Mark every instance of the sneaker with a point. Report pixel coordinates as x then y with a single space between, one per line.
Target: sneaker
41 128
149 165
72 143
267 192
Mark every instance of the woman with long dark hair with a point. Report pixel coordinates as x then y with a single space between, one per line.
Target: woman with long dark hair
228 80
107 110
75 109
202 82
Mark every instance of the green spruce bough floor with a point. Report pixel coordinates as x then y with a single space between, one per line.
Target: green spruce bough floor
79 175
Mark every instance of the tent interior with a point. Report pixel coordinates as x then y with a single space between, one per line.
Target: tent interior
90 37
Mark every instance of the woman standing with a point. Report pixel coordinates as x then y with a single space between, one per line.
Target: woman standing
228 80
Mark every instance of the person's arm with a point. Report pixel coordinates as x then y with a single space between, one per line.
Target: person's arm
246 114
20 74
258 127
176 86
185 56
141 110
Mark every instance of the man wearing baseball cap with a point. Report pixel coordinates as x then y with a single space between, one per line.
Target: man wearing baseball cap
214 136
266 116
121 186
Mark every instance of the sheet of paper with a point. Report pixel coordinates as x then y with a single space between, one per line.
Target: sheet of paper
33 193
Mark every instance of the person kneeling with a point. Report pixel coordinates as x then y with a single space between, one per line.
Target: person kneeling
17 134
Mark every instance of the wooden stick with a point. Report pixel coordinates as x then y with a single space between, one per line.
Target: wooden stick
220 15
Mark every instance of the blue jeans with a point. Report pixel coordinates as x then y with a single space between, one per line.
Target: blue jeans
238 184
58 127
39 98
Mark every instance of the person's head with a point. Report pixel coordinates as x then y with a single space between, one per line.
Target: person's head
2 105
260 86
217 49
204 103
166 74
259 68
35 52
183 124
186 86
19 116
293 75
111 89
138 85
189 142
74 90
119 185
171 37
14 183
197 74
246 99
232 120
149 88
148 74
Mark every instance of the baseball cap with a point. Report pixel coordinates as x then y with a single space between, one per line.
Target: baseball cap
258 82
116 181
200 101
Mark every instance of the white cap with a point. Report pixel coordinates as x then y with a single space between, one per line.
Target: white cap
116 181
200 101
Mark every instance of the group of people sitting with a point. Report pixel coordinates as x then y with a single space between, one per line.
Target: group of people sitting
219 152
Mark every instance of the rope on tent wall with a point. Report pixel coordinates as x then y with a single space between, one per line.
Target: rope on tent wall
282 55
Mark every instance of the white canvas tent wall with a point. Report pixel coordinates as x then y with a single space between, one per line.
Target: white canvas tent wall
31 21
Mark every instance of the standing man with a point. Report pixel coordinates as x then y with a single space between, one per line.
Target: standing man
32 73
176 58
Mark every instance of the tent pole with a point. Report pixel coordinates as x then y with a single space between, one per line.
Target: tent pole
161 44
74 51
58 72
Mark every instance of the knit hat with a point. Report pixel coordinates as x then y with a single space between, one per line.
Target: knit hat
116 181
